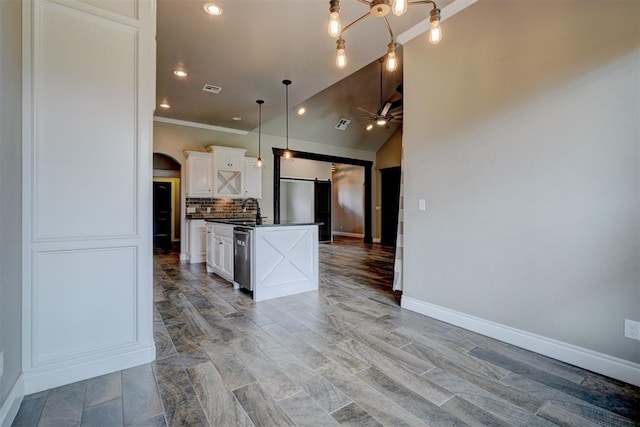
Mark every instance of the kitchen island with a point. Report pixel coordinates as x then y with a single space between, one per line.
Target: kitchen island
271 260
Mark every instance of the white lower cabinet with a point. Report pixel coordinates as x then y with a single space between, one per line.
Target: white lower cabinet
220 250
209 245
197 243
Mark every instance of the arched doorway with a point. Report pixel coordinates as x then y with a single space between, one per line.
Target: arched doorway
166 202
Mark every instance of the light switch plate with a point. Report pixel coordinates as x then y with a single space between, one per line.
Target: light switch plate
632 329
191 210
422 205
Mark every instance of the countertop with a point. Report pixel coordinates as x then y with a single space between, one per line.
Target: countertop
243 222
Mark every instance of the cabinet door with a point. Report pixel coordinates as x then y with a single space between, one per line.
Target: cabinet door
210 248
230 160
227 248
197 241
218 257
252 178
199 175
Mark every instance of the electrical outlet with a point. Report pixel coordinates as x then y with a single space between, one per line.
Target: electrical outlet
1 363
208 210
632 329
422 205
191 210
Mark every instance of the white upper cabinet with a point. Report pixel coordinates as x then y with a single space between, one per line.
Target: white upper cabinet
228 172
252 179
199 174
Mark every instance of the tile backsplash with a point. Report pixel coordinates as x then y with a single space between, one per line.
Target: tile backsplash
219 208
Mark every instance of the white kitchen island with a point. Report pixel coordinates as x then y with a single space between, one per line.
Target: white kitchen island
286 260
283 258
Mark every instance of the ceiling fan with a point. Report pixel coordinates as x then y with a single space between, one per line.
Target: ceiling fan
390 111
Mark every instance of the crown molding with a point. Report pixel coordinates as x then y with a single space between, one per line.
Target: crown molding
199 125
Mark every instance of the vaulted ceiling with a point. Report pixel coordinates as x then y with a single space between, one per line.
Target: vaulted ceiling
254 45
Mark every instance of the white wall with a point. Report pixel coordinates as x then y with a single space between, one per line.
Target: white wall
87 163
522 133
10 208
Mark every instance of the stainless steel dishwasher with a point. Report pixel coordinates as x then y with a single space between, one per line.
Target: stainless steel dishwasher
242 238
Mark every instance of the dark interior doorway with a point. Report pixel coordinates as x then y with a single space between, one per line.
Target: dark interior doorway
322 209
162 214
390 204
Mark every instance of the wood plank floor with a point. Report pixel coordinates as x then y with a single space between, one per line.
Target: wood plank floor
345 355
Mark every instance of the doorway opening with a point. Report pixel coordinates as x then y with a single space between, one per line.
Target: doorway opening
390 205
166 202
367 196
348 201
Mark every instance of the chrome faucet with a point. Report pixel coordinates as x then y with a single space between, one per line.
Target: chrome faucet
244 208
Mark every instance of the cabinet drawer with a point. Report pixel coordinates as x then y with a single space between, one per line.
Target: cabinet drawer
221 230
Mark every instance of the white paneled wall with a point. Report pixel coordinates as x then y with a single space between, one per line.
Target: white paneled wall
88 105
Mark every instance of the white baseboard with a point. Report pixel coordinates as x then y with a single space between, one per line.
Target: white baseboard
588 359
44 378
344 233
184 257
10 407
196 259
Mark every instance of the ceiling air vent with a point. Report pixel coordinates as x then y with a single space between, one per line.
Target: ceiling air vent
211 88
343 124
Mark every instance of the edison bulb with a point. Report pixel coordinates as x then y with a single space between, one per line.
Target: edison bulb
341 58
259 163
335 27
399 7
435 32
287 154
392 61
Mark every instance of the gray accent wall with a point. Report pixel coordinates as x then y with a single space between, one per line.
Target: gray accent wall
10 192
522 133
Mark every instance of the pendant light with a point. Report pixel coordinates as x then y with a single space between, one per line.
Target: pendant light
259 162
380 9
286 83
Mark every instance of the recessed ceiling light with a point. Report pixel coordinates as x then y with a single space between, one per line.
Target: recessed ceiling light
165 105
237 119
180 73
369 126
301 111
212 9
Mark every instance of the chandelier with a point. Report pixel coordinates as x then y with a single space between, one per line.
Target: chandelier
380 9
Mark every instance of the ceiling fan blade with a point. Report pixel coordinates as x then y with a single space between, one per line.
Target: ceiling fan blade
385 109
366 111
396 104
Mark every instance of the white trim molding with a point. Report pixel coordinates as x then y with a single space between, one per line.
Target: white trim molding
9 409
40 379
345 234
199 125
601 363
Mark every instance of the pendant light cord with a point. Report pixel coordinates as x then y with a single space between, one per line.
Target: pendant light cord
286 85
260 102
